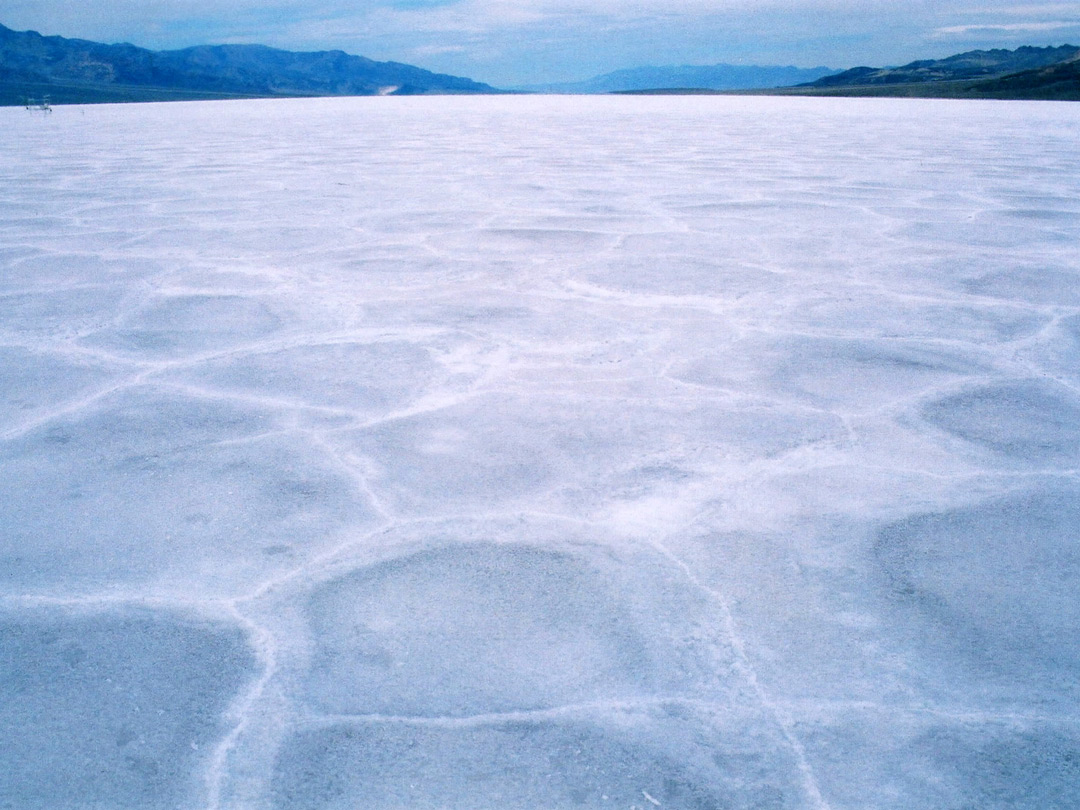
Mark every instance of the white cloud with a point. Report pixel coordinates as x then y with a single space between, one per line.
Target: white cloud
438 50
985 29
1029 10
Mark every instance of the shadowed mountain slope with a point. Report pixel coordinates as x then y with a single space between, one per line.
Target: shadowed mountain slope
964 66
1061 80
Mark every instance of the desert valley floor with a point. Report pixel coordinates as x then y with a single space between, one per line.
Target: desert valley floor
530 453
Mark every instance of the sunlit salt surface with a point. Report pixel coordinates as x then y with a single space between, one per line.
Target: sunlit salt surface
540 453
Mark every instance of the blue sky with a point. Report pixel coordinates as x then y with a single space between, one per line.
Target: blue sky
507 42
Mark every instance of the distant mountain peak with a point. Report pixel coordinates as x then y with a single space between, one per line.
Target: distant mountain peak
706 77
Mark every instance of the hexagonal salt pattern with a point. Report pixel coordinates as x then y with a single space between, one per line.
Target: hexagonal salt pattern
477 630
540 452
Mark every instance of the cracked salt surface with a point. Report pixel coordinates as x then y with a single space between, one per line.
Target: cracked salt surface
540 453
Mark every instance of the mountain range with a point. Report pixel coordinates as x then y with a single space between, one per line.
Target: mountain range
710 77
80 71
33 66
1051 73
964 66
1025 73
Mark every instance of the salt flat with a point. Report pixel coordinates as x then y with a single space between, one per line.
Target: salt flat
524 452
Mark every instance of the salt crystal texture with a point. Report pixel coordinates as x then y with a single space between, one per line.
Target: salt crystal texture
540 452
